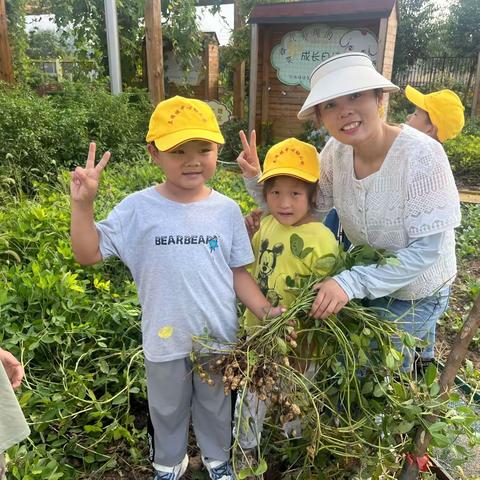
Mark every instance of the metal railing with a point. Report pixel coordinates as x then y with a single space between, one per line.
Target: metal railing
438 70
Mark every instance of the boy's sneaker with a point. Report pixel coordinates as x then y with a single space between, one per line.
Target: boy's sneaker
219 470
171 473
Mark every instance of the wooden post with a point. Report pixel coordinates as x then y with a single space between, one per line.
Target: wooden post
239 72
476 95
211 69
154 47
252 96
265 84
382 42
6 68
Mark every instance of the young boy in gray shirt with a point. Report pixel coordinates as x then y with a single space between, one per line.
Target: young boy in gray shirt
186 246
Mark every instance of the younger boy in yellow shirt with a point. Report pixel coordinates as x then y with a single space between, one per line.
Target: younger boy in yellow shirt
287 244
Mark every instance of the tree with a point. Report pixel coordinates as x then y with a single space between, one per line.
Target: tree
45 44
416 29
84 21
463 27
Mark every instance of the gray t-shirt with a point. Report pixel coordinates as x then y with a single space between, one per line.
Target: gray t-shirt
180 256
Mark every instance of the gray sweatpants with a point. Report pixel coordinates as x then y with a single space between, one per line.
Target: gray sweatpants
174 393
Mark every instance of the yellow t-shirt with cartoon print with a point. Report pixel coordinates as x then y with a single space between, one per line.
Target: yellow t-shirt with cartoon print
275 260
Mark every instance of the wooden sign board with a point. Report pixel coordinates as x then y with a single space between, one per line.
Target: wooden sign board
289 40
299 52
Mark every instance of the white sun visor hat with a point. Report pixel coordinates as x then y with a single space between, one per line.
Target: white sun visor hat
342 75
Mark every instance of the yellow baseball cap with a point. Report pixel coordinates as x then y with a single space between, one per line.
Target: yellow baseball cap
179 120
293 158
444 108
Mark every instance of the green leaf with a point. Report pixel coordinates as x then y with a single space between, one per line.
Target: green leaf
440 441
305 252
435 389
261 468
296 244
362 357
281 345
390 361
252 357
367 388
437 427
404 427
378 391
325 263
93 428
408 340
392 261
430 374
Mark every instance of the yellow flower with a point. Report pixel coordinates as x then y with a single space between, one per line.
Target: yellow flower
165 332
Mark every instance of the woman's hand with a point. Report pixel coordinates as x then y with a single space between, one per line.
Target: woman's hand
248 159
84 182
331 298
252 221
12 367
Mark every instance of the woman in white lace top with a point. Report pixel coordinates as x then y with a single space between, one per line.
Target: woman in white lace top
392 187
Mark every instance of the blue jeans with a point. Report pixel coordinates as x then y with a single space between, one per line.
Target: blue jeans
417 317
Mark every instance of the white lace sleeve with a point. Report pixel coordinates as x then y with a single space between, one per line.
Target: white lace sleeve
432 201
325 183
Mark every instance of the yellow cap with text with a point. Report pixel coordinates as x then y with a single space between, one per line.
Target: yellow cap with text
179 120
292 158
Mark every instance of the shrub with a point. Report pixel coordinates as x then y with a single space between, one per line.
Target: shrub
42 135
464 155
233 145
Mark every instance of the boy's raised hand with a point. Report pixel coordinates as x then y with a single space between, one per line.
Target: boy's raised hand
84 182
248 159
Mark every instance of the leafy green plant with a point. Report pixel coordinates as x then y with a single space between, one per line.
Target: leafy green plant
76 329
464 155
233 145
316 136
44 135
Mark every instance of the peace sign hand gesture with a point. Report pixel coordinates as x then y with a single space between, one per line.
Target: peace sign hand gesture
248 159
84 182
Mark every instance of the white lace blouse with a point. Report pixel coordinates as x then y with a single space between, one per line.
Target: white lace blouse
412 195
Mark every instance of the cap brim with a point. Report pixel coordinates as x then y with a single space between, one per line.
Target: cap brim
289 172
344 82
415 97
178 138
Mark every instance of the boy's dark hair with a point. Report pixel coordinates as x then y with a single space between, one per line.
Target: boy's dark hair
312 190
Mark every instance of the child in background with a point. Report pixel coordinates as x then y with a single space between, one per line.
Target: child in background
438 114
186 246
290 184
